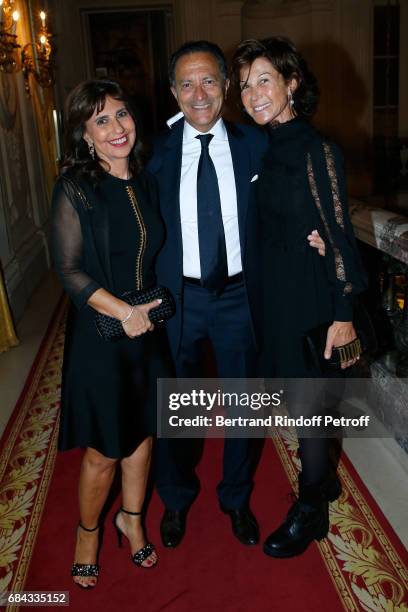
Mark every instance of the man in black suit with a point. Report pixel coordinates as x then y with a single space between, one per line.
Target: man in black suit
207 170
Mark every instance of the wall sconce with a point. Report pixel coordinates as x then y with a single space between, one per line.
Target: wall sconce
36 58
8 40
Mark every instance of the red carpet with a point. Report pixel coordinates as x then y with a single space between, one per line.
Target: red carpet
210 570
361 566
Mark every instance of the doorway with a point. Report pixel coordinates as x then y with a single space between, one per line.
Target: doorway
133 47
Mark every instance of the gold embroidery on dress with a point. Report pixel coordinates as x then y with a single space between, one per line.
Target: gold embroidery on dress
338 259
142 229
338 211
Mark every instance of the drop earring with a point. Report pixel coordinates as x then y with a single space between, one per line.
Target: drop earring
91 149
290 98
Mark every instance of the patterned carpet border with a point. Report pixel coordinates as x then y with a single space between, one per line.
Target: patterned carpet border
28 456
363 556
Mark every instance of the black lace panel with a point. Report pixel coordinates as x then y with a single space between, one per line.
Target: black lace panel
339 263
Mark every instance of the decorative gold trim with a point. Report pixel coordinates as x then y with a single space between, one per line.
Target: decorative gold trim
334 185
27 461
364 566
143 236
338 259
8 337
35 517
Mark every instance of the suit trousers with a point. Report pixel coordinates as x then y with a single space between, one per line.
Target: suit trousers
225 321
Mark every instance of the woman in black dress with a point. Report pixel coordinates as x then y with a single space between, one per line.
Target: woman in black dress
106 232
301 187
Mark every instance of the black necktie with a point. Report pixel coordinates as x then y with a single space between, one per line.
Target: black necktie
211 238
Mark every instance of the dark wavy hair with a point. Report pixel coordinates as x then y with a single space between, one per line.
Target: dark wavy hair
197 46
83 100
287 60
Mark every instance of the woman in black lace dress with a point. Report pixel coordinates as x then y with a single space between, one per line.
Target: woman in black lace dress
301 187
106 232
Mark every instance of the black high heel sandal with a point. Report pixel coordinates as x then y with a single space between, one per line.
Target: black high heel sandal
143 553
86 570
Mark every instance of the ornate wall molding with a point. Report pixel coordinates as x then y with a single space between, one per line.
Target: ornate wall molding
24 202
284 8
8 101
194 20
5 250
228 24
229 8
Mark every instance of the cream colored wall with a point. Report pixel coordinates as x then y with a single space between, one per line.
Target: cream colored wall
228 28
27 169
335 37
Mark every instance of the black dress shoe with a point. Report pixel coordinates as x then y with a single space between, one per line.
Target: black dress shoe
306 521
244 525
173 527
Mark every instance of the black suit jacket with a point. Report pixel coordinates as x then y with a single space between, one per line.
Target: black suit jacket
247 145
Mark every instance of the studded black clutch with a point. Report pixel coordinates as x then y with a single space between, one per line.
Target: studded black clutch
111 329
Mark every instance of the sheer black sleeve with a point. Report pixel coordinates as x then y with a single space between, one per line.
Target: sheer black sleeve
328 186
67 245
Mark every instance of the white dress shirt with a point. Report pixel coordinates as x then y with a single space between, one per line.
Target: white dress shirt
221 156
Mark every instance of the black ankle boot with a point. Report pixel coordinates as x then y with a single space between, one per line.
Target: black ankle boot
307 520
331 487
